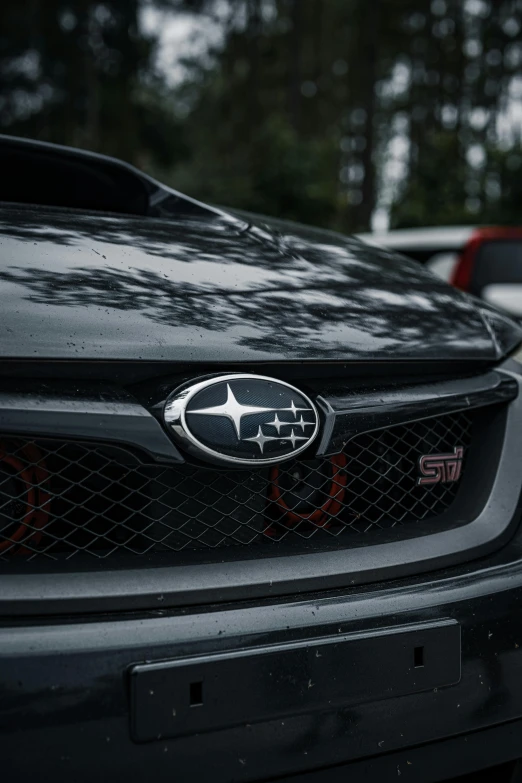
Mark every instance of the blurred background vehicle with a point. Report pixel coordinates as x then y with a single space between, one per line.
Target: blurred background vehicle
486 262
438 248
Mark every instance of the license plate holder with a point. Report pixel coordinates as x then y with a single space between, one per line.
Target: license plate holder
211 692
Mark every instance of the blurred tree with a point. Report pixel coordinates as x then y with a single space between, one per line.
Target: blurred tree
433 195
321 112
290 101
82 73
502 196
463 59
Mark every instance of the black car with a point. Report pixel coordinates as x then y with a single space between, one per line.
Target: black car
260 496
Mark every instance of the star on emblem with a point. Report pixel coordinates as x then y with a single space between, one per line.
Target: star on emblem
293 438
261 439
277 424
302 423
232 410
294 409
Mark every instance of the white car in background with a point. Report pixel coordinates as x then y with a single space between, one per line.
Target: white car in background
484 261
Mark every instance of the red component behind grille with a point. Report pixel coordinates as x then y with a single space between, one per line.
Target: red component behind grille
329 508
27 466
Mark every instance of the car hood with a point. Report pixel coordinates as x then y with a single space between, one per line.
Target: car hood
223 289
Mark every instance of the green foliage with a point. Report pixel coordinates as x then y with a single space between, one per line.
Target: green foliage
435 195
273 171
297 108
503 203
72 73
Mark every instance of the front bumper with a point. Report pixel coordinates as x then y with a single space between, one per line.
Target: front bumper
65 687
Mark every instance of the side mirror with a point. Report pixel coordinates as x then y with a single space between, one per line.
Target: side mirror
505 296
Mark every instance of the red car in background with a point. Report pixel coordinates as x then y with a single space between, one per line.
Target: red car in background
484 261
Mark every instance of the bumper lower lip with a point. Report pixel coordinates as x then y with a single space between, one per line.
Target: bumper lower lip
65 686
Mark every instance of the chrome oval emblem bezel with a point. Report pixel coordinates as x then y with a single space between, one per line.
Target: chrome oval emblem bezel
175 418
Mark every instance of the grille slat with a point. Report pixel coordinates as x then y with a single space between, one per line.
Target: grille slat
62 500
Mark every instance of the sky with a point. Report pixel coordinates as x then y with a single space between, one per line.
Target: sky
180 35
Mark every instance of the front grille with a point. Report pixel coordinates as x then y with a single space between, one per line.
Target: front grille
68 499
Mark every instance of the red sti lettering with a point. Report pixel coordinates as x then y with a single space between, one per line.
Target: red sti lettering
441 468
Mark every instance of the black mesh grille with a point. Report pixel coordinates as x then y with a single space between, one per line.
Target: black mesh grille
58 500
